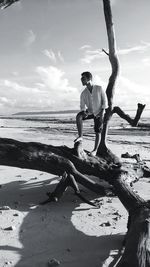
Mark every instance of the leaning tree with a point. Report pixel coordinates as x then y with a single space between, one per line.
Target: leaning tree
75 165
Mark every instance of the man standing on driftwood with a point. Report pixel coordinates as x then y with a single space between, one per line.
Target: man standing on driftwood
92 106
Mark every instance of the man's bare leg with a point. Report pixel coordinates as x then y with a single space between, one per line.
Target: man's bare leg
97 141
79 122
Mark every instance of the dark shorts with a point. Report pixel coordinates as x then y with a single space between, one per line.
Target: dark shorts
98 121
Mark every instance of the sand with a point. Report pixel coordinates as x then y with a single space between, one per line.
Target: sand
70 231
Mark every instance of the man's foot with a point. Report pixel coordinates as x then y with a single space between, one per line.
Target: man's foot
78 139
93 153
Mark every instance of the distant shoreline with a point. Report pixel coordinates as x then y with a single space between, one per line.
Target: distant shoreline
45 112
131 112
64 112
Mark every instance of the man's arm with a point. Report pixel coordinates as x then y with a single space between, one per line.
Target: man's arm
82 102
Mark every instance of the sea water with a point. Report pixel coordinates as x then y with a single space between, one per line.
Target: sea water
55 120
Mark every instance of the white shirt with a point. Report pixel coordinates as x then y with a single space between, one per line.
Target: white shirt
95 101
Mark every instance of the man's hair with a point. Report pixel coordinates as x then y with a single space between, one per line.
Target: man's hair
87 74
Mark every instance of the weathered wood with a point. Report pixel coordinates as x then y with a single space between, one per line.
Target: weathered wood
137 242
6 3
132 121
115 69
66 181
60 159
138 159
50 159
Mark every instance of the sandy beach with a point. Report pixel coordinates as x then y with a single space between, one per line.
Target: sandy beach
69 233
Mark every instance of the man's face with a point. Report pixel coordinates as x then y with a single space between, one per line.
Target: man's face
84 80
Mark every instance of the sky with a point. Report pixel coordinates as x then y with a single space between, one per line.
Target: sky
45 45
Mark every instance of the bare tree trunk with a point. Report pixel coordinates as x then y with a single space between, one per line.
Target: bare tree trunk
137 246
115 69
137 242
102 149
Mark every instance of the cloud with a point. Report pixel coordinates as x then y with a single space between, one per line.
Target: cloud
85 47
52 77
16 97
3 100
54 57
50 54
90 55
30 38
62 95
146 61
58 88
98 80
128 93
51 91
113 2
61 58
139 48
15 73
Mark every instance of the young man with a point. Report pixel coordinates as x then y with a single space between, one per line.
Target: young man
92 106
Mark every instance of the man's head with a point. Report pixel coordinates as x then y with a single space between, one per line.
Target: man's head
86 77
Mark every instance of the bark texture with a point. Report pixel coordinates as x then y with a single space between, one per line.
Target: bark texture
136 251
132 121
112 80
6 3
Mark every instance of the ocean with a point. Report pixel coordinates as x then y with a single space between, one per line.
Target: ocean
55 120
26 121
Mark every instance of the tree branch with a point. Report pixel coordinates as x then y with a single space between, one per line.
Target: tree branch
133 122
103 50
6 3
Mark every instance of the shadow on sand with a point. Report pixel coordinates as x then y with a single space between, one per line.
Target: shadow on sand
47 232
